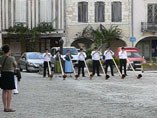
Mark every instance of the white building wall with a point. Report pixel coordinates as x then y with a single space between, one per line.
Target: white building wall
73 26
140 15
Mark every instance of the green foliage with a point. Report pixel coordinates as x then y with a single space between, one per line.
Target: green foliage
117 60
88 53
104 35
1 53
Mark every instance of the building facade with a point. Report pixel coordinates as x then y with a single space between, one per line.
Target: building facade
30 13
80 14
145 27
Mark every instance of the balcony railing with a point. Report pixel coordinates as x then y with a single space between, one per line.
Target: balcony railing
148 27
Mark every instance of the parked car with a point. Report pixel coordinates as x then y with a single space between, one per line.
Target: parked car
30 61
73 51
133 56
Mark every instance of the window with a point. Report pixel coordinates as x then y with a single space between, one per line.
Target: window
20 11
45 10
99 12
152 13
83 12
116 12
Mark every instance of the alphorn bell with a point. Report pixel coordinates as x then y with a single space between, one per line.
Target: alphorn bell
137 76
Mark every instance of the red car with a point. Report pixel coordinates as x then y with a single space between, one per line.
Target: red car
133 56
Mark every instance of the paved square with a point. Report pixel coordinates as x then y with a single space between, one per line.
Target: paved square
83 98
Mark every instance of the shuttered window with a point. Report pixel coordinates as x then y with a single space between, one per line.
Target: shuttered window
99 12
45 10
152 13
116 12
83 12
20 11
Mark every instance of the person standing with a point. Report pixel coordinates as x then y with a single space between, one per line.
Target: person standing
47 59
81 57
8 65
123 60
108 60
68 64
96 54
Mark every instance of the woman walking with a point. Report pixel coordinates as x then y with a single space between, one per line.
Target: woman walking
8 65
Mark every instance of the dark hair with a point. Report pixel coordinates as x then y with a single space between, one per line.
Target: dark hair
107 47
96 48
6 48
46 49
81 49
122 47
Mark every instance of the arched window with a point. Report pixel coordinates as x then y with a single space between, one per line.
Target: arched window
20 11
99 12
45 10
83 12
116 11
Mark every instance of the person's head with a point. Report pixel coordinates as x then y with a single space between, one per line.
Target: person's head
96 48
6 49
68 52
46 50
122 48
108 48
81 50
58 52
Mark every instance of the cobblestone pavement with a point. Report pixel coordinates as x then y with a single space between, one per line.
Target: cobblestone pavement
98 98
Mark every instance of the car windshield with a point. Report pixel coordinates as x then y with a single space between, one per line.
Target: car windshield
34 56
73 51
133 55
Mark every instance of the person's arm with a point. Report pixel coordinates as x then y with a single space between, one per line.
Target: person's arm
14 63
85 55
92 53
112 53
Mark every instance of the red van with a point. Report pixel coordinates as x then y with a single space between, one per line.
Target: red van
133 56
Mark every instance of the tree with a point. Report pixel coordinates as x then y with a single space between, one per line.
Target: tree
104 35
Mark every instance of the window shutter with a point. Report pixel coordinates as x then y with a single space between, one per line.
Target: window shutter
155 13
101 12
79 12
96 12
116 12
150 13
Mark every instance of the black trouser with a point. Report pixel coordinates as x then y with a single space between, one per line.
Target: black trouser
81 65
123 64
46 67
109 63
96 65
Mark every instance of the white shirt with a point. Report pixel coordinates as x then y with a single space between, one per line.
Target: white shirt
47 57
82 56
95 55
108 54
122 55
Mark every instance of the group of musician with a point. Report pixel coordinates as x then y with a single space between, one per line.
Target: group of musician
96 63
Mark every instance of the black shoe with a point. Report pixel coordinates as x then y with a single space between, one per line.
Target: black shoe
113 75
83 76
126 75
99 75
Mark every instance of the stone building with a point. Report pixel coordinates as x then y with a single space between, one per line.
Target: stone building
80 14
30 13
145 27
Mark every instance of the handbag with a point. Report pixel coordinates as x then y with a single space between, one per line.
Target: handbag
18 74
1 69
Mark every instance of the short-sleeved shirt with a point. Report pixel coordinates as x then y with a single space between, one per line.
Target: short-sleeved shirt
10 63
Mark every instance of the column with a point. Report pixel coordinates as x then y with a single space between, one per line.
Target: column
12 12
7 15
33 13
37 12
54 13
29 14
63 13
0 39
3 14
59 13
0 16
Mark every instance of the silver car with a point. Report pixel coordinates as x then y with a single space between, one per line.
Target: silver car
30 61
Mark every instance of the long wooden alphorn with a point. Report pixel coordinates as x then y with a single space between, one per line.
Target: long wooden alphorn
63 74
106 76
49 69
